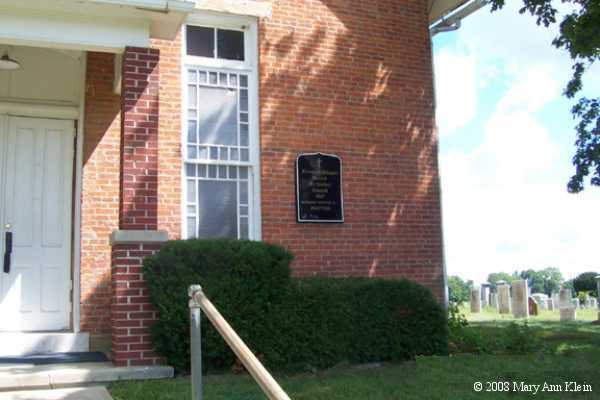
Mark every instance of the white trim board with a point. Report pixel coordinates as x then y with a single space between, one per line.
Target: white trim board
18 27
238 7
39 110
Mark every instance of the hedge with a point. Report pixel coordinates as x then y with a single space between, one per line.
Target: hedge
291 324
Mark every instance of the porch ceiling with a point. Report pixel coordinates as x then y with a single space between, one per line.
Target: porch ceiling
101 25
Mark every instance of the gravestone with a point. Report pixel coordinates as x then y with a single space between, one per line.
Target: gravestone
475 300
564 298
568 314
503 298
598 293
533 306
556 300
520 303
494 300
550 304
485 294
541 300
575 303
593 302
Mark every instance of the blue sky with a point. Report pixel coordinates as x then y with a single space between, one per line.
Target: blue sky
506 142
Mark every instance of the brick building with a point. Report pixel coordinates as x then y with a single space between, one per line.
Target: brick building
127 123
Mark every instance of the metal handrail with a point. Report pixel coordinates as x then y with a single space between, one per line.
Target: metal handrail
199 301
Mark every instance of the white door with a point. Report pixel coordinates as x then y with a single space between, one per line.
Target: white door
36 170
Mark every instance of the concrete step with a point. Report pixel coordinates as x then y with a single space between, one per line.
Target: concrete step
26 376
82 393
25 343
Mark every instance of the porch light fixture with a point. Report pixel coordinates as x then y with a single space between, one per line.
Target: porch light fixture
8 64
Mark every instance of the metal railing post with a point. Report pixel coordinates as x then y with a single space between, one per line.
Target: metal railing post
269 386
195 344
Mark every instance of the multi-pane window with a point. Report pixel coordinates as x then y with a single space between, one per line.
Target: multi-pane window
218 167
208 42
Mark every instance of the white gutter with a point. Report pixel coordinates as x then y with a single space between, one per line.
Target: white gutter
165 6
453 21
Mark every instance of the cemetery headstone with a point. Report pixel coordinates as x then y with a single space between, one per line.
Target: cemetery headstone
598 293
475 300
533 306
541 300
503 298
520 297
485 294
556 300
564 298
494 300
568 314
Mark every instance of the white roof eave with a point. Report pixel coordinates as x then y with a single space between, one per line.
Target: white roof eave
439 8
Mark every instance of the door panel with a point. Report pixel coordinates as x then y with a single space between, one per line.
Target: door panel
37 192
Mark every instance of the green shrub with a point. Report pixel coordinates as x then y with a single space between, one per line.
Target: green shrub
326 321
244 280
292 324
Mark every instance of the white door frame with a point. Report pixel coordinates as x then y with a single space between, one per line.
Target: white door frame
51 111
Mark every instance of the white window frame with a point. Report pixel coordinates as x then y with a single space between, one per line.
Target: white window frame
249 67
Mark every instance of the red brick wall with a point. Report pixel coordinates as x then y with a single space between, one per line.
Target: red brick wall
100 191
139 140
353 78
131 311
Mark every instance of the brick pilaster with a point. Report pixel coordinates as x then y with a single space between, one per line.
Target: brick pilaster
139 139
131 311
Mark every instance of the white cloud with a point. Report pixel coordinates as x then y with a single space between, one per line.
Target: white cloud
455 79
505 201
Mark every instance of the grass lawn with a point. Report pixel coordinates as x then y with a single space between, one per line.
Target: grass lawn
570 352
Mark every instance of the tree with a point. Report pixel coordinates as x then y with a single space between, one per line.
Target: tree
495 277
579 34
586 282
458 290
546 281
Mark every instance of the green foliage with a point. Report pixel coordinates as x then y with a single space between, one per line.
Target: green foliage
244 280
546 281
458 290
513 339
463 338
586 282
579 35
291 324
325 321
582 296
496 277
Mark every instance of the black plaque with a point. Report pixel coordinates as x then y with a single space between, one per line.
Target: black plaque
319 188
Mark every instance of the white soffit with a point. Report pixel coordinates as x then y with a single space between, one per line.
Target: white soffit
260 9
96 25
439 8
71 32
